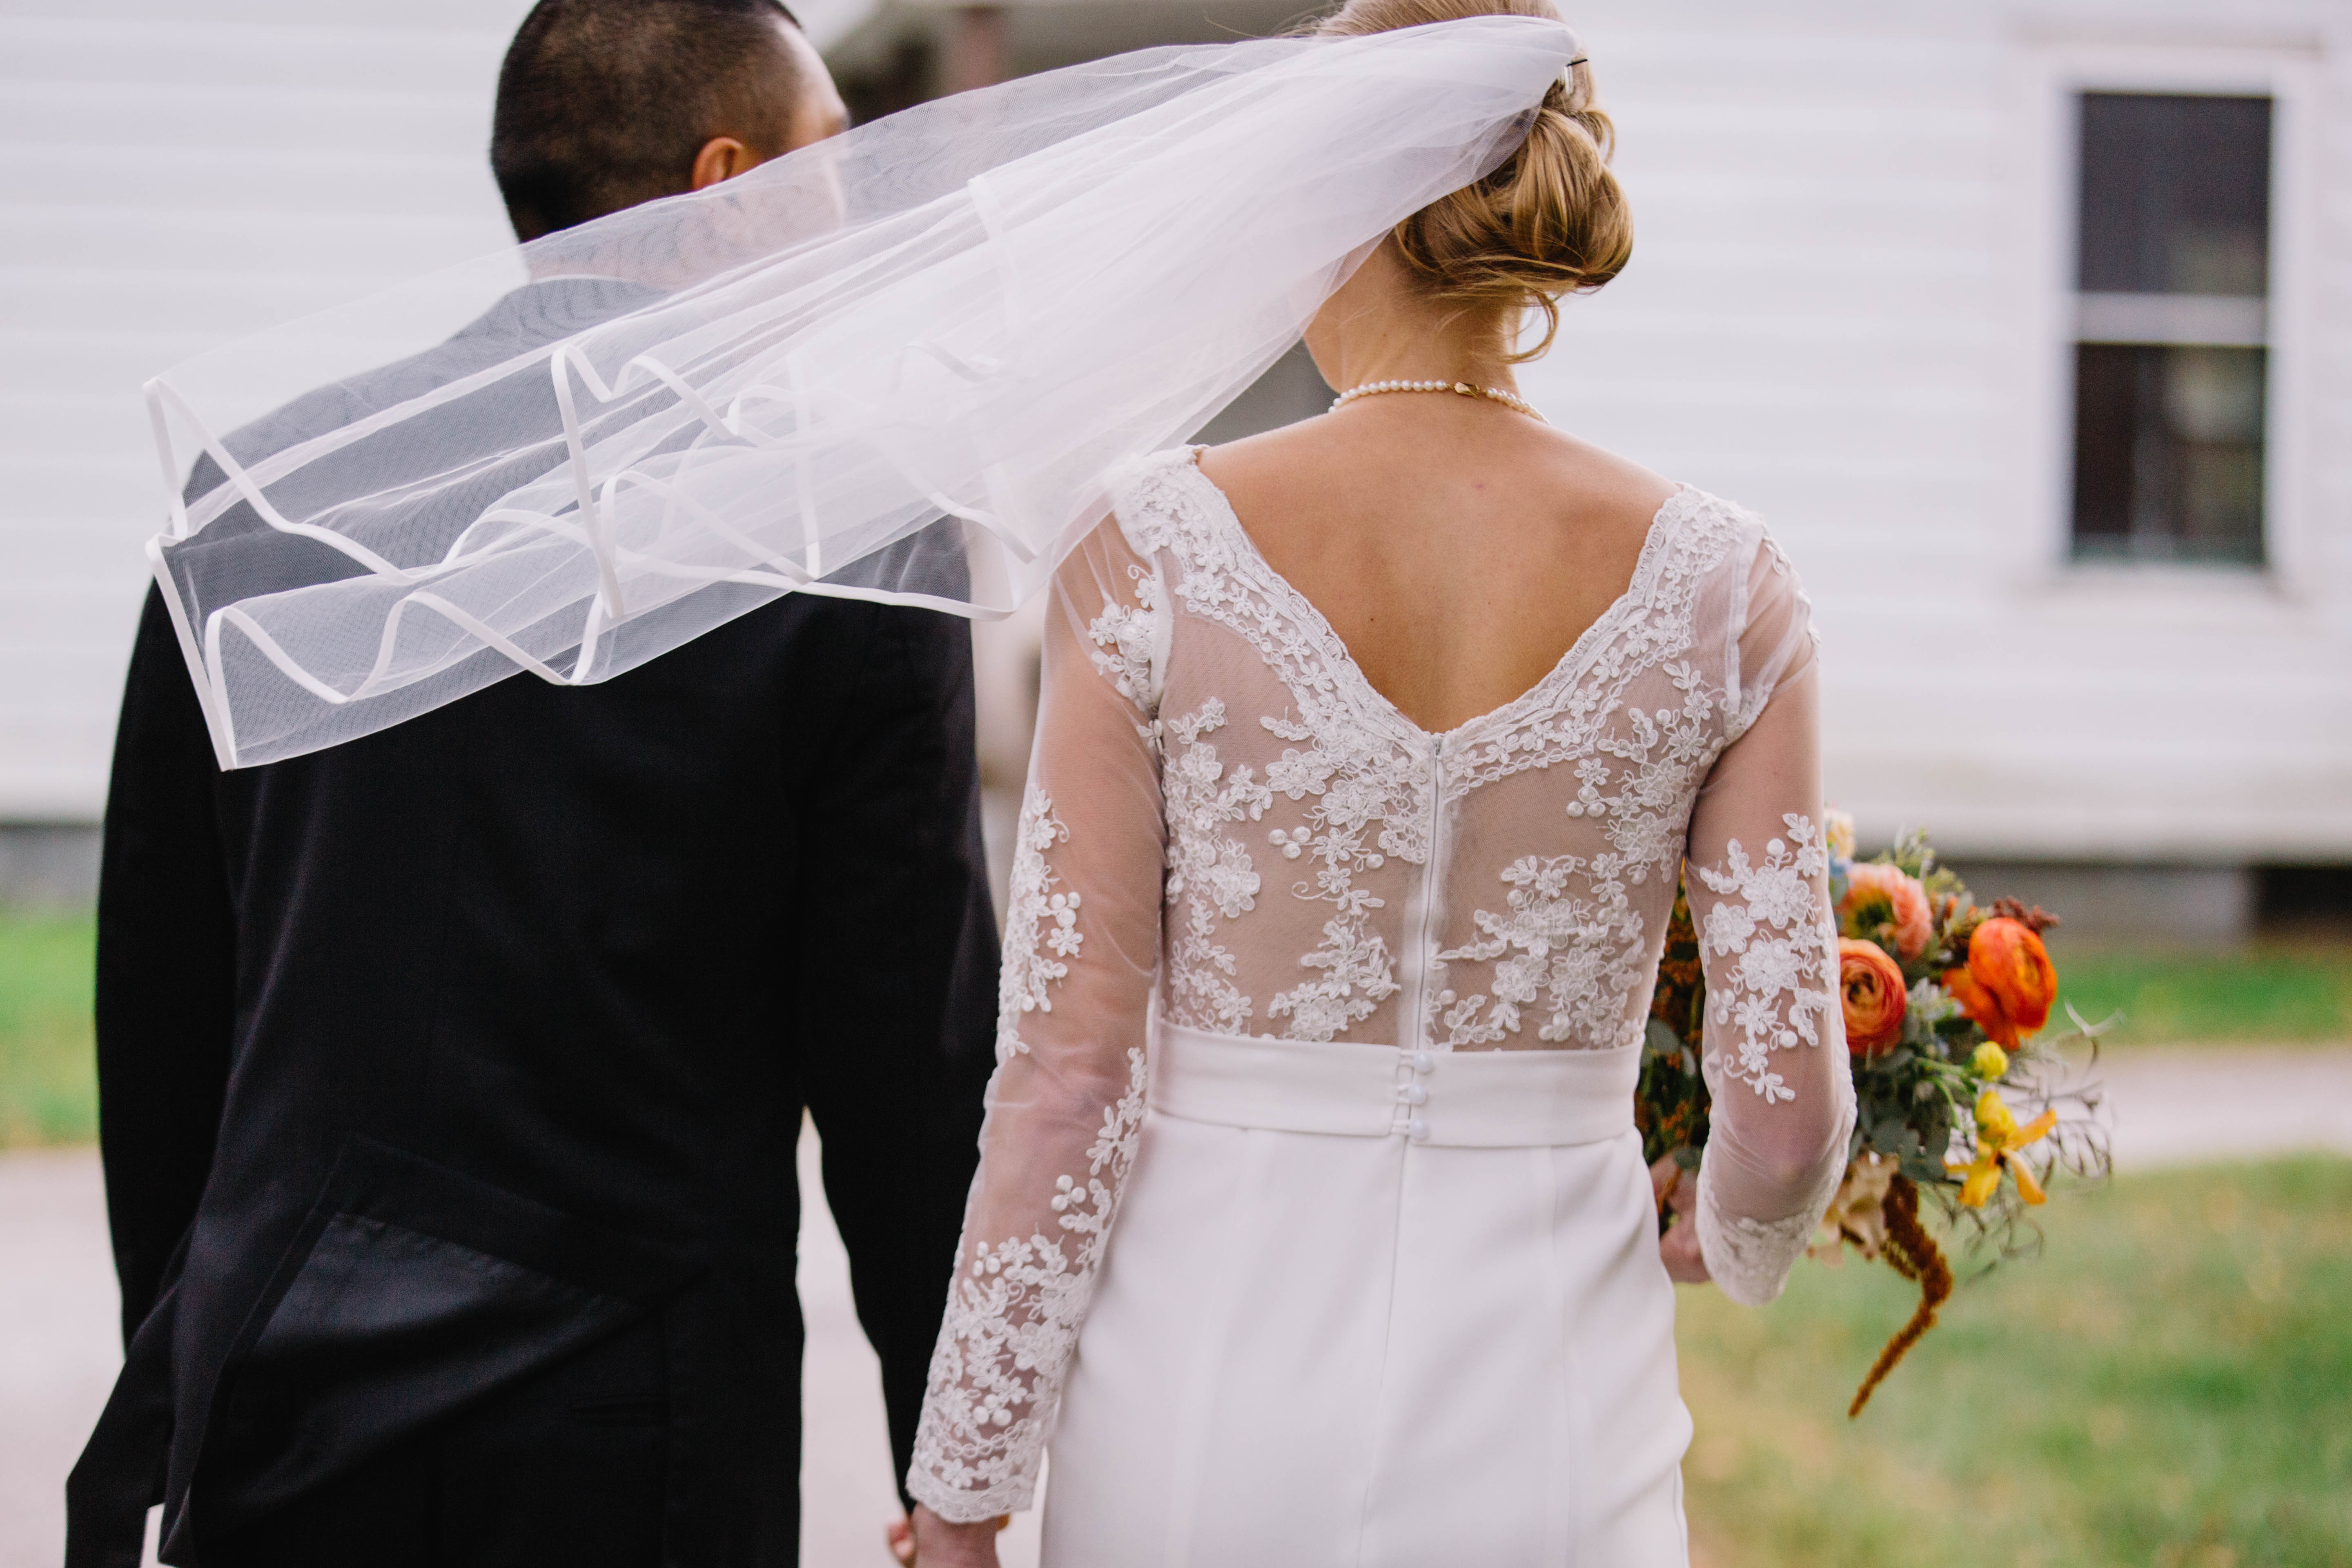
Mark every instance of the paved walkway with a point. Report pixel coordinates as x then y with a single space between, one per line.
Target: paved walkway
2180 1105
59 1347
59 1342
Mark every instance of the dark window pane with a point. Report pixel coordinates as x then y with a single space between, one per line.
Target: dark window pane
2168 453
2176 194
2106 420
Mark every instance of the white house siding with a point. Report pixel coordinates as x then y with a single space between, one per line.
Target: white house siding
1847 309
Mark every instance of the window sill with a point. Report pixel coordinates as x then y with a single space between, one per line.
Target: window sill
2183 594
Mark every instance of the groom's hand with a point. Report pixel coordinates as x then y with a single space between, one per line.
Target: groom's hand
1678 1190
932 1541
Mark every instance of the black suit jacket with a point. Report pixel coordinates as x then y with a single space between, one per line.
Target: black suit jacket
429 1060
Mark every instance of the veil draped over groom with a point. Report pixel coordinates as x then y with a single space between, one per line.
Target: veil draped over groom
899 366
450 1080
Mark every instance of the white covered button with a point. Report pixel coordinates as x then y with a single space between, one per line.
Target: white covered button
1417 1129
1413 1094
1421 1062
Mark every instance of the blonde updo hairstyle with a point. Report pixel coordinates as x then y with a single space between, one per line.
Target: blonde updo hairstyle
1552 220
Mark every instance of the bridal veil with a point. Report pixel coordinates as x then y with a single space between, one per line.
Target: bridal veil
895 366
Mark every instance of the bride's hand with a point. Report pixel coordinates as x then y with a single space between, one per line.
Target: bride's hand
1677 1189
932 1541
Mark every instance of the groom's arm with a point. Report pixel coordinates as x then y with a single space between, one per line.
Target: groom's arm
166 967
899 1025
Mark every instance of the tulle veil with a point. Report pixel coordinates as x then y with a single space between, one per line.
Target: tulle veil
898 365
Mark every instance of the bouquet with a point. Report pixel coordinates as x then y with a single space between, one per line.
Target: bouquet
1945 1006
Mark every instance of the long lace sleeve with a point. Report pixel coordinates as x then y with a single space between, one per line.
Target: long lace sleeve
1774 1049
1081 940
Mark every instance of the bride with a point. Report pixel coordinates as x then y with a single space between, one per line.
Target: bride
1312 1227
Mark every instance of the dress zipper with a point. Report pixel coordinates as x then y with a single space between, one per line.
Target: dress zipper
1424 945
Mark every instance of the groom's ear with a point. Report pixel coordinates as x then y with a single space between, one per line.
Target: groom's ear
603 104
801 107
722 158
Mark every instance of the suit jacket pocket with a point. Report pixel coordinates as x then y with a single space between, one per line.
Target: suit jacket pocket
412 1291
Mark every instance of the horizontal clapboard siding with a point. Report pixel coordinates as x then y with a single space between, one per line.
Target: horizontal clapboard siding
1831 316
1826 320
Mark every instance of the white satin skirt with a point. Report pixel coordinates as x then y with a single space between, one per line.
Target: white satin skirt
1378 1308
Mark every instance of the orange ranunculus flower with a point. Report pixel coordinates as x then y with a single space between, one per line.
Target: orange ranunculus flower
1914 922
1875 1000
2010 982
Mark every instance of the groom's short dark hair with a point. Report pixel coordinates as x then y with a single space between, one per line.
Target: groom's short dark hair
604 103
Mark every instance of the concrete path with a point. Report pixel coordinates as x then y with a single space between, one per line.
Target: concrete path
2182 1105
58 1341
59 1345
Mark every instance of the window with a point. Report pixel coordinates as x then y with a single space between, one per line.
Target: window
2171 328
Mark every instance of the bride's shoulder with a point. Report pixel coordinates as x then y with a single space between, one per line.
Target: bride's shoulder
1313 454
1593 481
1724 532
1150 495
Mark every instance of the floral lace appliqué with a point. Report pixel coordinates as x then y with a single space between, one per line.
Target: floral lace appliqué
1210 875
1781 935
1370 799
1128 641
1749 1259
1012 1317
1041 924
1579 956
1366 809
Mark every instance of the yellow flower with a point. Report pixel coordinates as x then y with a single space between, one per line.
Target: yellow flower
1990 1061
1999 1138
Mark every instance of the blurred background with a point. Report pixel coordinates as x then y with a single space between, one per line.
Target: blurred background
2027 323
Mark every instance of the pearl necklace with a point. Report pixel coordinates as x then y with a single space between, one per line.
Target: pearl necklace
1373 388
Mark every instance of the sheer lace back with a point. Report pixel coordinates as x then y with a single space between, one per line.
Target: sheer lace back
1337 873
1226 824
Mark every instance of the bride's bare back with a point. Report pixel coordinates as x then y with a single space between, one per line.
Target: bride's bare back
1458 547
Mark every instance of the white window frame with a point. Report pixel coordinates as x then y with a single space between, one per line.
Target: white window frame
2049 76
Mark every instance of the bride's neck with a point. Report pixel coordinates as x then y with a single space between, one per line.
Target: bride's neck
1377 327
1422 360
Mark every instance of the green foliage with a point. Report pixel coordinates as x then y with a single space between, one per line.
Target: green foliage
48 1088
2169 1385
2271 992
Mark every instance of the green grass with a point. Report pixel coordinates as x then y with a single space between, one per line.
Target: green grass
48 1089
2270 993
2170 1385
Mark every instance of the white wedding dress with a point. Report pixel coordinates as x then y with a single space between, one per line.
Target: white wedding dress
1311 1227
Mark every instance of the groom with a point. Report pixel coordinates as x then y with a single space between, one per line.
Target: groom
450 1079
